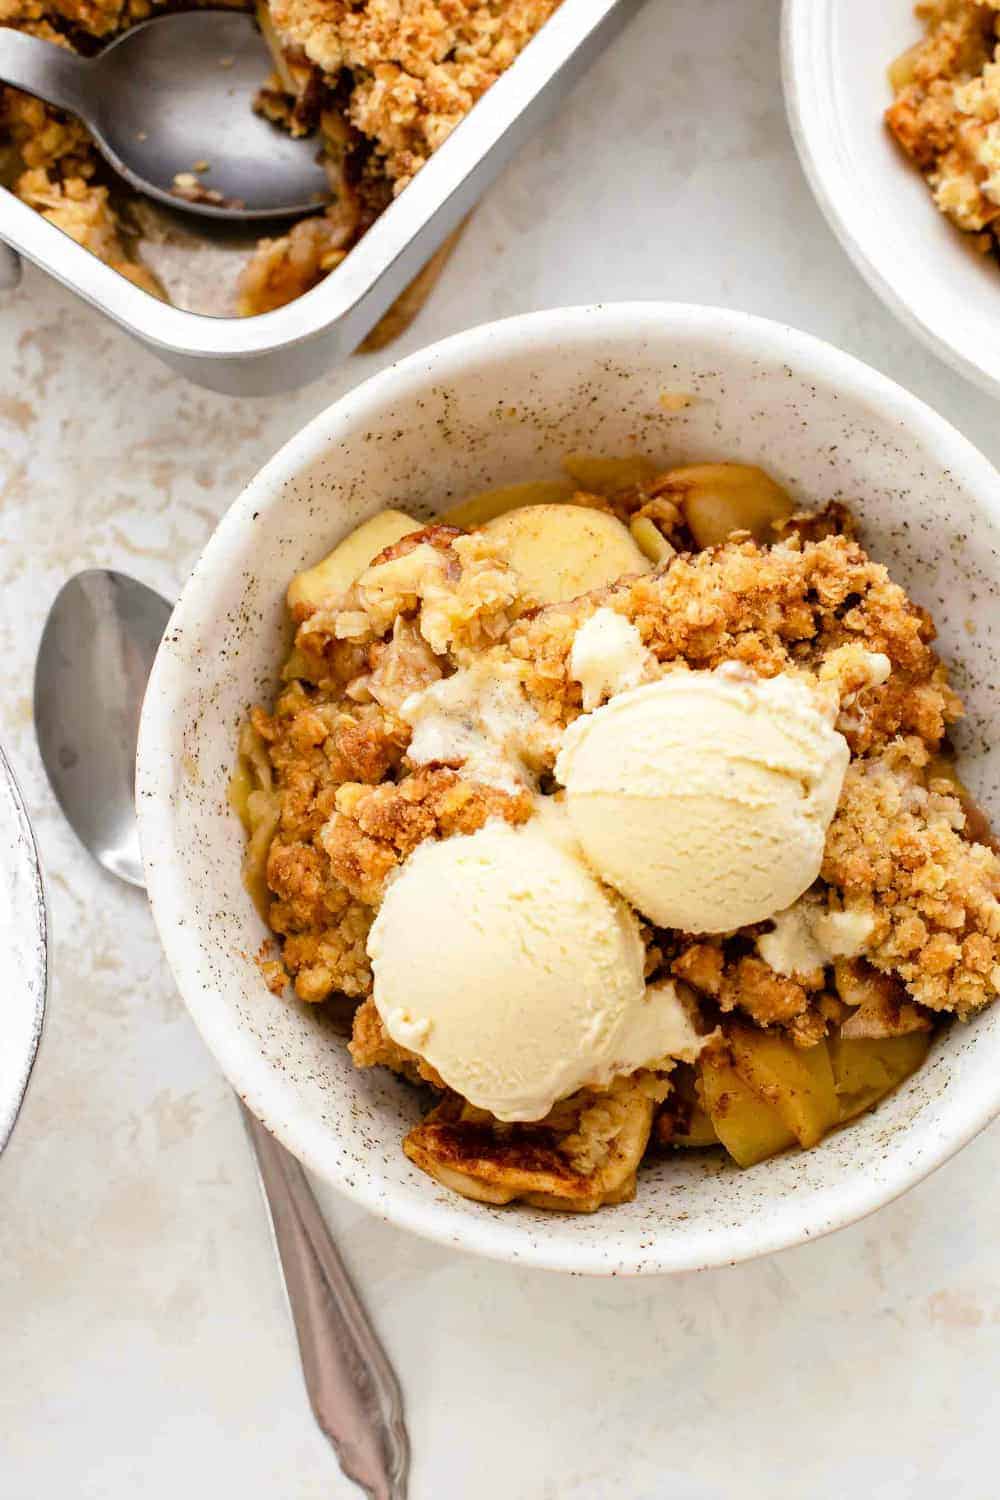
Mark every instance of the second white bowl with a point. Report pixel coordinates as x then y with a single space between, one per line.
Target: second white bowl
494 405
835 57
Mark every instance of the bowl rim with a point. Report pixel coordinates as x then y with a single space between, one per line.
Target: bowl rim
802 52
786 1224
22 872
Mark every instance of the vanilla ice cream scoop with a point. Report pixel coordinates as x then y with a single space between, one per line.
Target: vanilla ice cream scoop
502 960
705 797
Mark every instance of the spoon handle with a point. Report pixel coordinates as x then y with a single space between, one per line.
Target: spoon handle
352 1388
51 72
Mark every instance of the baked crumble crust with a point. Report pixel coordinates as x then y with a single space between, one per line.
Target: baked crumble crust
906 848
897 846
797 1004
583 1155
374 828
352 809
56 175
413 68
946 114
774 609
326 958
371 1046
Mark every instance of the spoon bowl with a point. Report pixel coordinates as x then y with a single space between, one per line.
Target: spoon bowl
170 106
94 659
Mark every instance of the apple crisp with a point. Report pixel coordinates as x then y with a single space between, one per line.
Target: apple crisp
434 675
946 114
381 85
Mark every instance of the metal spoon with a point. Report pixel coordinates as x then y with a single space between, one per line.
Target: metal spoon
93 662
173 98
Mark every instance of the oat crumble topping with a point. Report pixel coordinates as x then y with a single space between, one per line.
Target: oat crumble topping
412 68
946 114
909 866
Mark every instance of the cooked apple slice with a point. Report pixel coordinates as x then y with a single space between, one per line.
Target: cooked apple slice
561 551
698 1133
718 499
650 539
683 1120
901 69
335 574
603 476
796 1081
866 1070
479 509
747 1125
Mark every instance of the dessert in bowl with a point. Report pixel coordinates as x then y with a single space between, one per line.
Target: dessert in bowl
437 874
946 113
879 99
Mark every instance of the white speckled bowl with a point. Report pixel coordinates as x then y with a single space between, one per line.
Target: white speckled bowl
835 60
498 404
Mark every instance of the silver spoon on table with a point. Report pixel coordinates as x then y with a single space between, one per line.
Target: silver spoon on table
170 106
93 663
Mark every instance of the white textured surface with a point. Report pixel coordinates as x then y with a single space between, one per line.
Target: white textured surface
145 1345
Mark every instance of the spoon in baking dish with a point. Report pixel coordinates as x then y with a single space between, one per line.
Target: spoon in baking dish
170 106
94 660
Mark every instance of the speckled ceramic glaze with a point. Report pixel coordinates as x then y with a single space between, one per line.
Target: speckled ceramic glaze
25 946
494 405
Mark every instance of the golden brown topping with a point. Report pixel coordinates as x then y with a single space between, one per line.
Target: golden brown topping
809 1028
411 68
374 828
316 746
330 959
832 519
900 849
399 77
768 998
371 1046
773 608
946 114
583 1155
701 965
